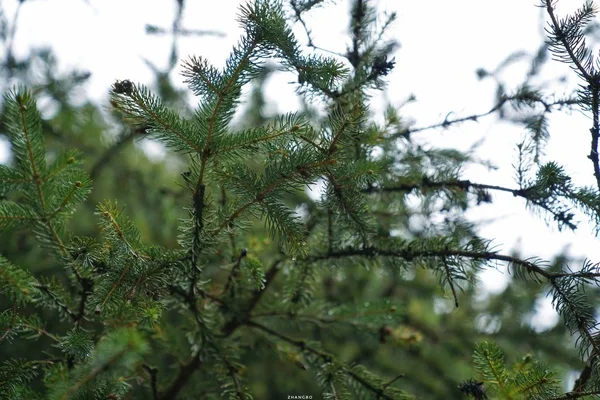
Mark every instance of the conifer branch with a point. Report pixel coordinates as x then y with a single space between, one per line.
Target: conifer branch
114 286
233 375
411 254
348 207
234 271
57 301
259 173
576 395
107 214
595 130
450 280
303 170
137 102
298 11
235 323
66 200
198 203
40 331
567 41
548 106
36 170
302 345
104 160
566 44
36 173
465 184
153 380
359 10
185 373
585 375
87 286
94 373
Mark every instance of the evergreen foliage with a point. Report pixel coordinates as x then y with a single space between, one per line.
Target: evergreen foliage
236 284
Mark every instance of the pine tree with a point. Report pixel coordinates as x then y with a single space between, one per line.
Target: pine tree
234 283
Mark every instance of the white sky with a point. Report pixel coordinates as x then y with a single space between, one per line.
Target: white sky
442 44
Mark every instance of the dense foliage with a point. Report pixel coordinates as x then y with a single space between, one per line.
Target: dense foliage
214 274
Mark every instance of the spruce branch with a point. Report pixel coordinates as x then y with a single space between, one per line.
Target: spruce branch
301 171
450 279
567 42
532 194
145 109
185 373
27 139
235 323
234 270
40 331
595 130
576 395
410 254
199 205
59 303
260 174
87 286
111 152
113 351
300 9
153 380
517 98
326 357
358 26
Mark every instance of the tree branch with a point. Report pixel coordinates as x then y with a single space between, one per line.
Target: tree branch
185 373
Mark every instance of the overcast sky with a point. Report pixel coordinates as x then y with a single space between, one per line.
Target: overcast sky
442 44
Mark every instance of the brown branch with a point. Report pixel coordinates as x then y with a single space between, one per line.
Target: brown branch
110 153
185 373
153 372
590 78
411 254
450 281
425 183
57 301
475 117
235 323
576 395
563 39
302 345
595 131
234 271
